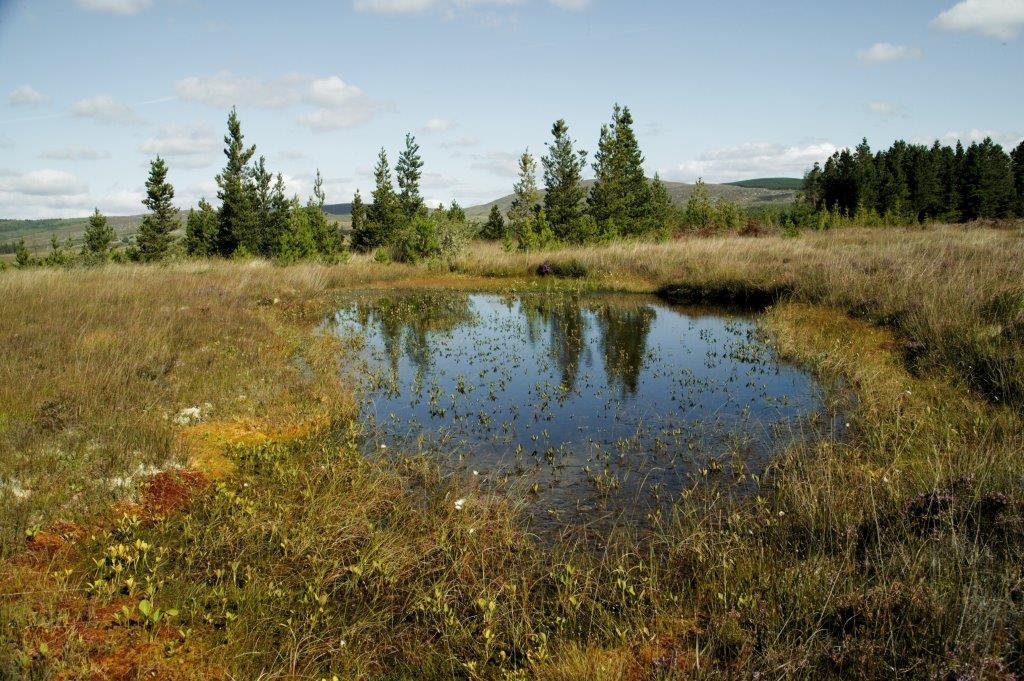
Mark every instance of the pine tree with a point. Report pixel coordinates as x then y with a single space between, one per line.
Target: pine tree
456 213
201 231
261 239
563 178
865 178
280 217
494 228
1017 157
813 192
98 236
988 180
384 215
325 233
699 210
298 241
522 213
358 222
408 171
621 195
237 216
154 238
662 212
22 258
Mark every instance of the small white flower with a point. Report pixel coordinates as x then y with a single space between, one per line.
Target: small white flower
460 504
476 472
383 446
472 530
782 513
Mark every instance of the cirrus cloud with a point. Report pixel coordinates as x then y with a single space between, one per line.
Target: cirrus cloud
114 6
26 95
885 52
182 140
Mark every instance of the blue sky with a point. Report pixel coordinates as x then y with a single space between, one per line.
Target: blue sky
90 90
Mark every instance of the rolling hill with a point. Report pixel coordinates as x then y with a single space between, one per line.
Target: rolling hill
794 183
679 192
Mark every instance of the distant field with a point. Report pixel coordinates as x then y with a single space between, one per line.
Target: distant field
784 183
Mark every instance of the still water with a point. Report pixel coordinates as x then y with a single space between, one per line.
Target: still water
591 403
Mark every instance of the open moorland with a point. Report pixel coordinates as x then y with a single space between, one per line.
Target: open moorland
188 492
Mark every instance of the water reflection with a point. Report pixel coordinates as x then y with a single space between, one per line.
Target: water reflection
594 400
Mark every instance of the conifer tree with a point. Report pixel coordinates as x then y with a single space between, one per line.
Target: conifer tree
408 171
201 231
563 178
866 178
261 239
358 222
99 235
699 210
280 217
1017 159
22 258
494 228
662 212
384 214
456 213
988 179
620 195
325 234
237 216
522 213
154 238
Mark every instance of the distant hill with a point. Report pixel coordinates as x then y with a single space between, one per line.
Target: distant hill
679 192
338 208
36 233
793 183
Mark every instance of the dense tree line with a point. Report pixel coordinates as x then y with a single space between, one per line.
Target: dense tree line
915 183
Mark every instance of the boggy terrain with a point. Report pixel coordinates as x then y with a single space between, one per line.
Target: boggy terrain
186 491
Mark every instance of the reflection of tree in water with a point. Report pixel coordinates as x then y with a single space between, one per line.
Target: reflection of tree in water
406 321
624 333
567 330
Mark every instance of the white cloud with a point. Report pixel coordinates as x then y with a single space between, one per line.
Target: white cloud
448 6
43 183
337 104
751 160
438 125
114 6
499 163
461 143
883 52
886 109
26 95
74 153
225 89
104 109
182 140
1007 139
997 18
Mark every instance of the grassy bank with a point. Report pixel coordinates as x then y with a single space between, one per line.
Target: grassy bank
273 550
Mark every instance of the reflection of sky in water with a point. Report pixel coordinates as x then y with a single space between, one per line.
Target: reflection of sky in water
572 389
